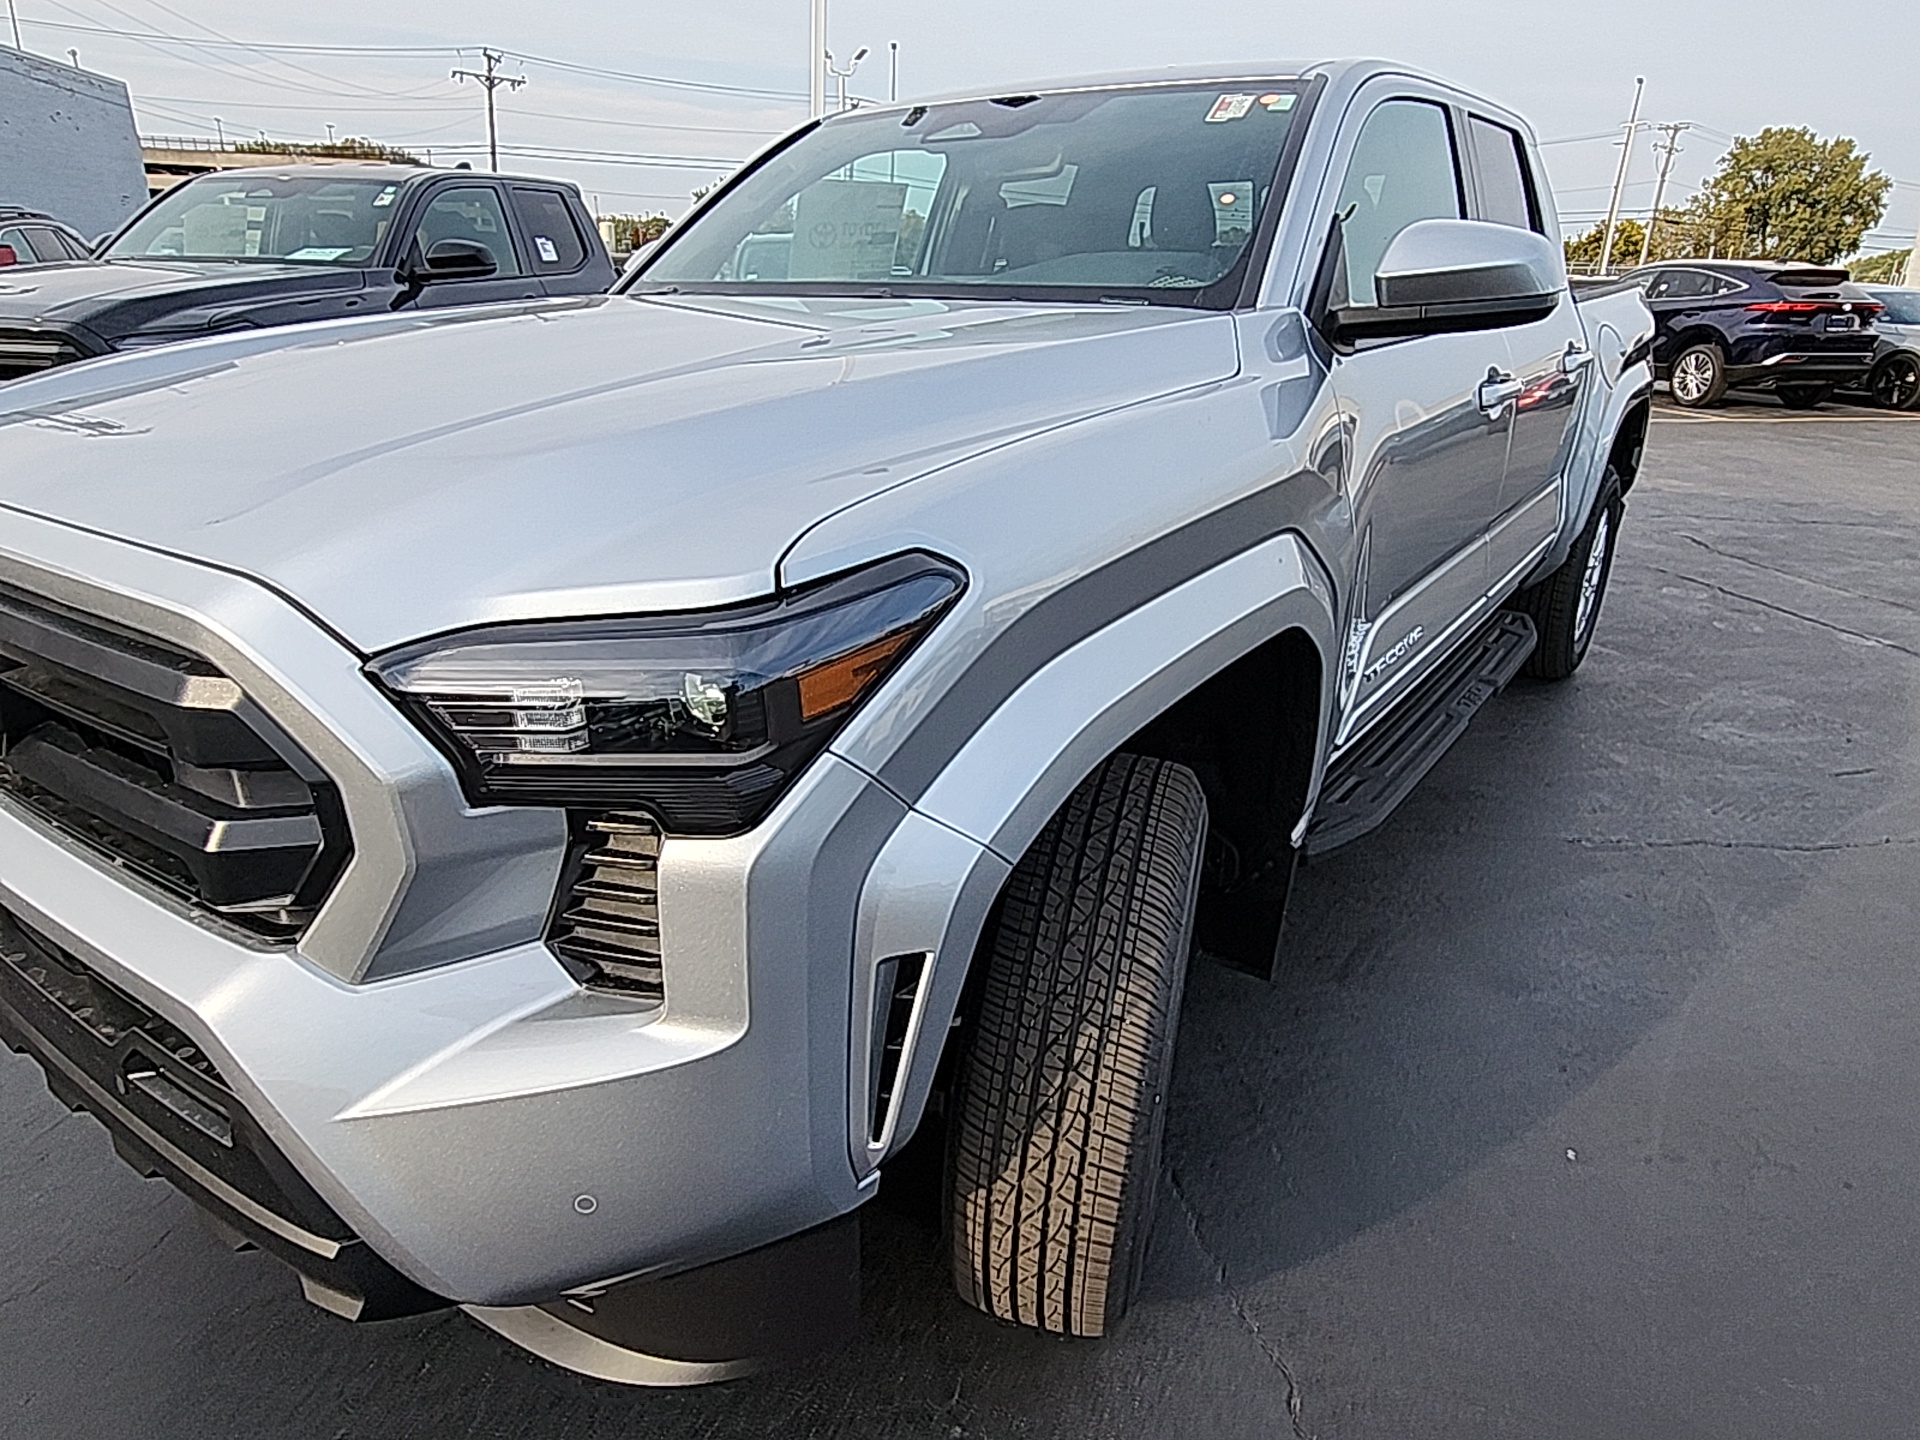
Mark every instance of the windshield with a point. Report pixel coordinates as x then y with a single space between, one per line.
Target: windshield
308 219
1903 306
1153 193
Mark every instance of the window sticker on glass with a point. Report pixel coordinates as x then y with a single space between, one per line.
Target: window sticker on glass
385 197
1276 104
847 230
320 252
549 253
1230 107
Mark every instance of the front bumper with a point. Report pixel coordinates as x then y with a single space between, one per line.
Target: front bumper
421 1062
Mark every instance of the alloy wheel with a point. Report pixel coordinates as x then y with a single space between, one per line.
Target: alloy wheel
1896 384
1591 580
1692 377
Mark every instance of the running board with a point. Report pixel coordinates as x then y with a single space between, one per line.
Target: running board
1366 784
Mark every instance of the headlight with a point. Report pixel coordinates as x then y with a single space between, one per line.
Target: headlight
700 718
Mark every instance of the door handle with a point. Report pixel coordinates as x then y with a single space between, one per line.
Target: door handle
1497 391
1577 358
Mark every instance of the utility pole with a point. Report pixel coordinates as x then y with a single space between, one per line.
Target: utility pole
1620 178
1667 150
893 71
816 53
13 14
493 80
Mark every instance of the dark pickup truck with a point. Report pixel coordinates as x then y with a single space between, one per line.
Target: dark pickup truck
246 249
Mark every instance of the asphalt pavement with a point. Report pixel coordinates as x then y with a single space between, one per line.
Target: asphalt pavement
1587 1104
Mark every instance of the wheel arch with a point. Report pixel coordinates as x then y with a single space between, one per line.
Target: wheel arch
1150 679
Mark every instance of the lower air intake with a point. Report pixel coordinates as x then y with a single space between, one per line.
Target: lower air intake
608 928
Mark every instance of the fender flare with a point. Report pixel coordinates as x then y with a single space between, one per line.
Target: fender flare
929 893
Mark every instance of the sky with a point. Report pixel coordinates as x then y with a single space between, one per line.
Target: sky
596 108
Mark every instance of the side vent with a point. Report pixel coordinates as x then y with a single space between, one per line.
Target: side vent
896 991
608 928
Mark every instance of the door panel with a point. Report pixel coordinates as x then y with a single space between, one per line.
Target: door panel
1428 457
475 213
1551 361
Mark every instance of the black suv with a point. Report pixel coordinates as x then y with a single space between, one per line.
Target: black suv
33 237
1797 330
242 249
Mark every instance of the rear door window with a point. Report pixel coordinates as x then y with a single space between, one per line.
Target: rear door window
46 244
1506 188
1403 169
469 212
15 241
547 225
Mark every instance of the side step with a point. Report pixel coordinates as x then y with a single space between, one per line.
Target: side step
1367 783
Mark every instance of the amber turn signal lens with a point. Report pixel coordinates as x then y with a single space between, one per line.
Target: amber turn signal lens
840 682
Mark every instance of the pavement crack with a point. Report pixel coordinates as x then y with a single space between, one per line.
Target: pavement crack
1783 847
1241 1311
1787 611
1713 549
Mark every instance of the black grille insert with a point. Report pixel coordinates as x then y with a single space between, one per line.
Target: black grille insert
157 760
607 928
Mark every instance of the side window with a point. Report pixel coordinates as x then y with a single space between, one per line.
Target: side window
1690 284
1506 187
15 243
546 220
1657 284
47 244
1403 170
469 212
1726 285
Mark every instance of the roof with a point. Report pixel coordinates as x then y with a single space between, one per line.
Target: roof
373 170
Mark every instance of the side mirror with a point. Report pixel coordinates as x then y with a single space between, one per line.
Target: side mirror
8 255
1445 276
456 260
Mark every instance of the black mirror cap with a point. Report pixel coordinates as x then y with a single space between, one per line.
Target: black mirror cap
457 260
1395 322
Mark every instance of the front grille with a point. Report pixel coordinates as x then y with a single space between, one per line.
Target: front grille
172 1114
27 352
156 760
608 925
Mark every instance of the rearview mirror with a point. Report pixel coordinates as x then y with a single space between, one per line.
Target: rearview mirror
456 260
1444 276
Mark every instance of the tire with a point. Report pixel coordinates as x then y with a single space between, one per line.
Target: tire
1803 397
1565 607
1053 1158
1895 382
1698 377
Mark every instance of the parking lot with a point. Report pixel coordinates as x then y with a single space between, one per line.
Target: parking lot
1585 1105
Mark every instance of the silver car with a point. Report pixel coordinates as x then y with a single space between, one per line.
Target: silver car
1894 381
531 808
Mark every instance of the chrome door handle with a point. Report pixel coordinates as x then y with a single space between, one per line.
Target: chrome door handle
1497 391
1577 358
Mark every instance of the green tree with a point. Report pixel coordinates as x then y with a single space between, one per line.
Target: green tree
1786 194
350 148
1583 254
1889 268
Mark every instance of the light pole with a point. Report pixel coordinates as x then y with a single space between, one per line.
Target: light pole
816 49
893 70
493 81
13 14
847 74
1620 178
221 131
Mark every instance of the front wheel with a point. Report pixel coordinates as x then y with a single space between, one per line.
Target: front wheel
1895 382
1699 376
1054 1152
1565 607
1803 397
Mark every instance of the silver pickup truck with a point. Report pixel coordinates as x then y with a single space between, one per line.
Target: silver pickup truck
532 808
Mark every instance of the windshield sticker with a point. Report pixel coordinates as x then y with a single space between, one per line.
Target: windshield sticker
385 197
549 252
1230 107
1278 104
320 252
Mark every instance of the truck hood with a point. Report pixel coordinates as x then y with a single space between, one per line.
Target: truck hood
408 475
81 293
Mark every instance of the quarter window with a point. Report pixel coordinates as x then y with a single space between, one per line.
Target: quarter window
470 212
1506 191
1403 169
